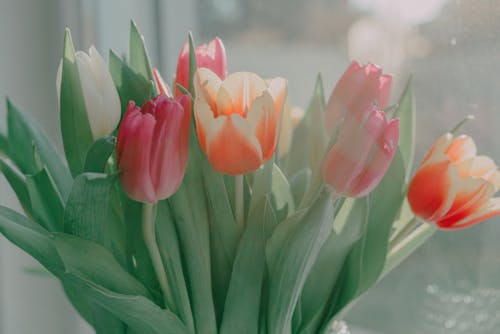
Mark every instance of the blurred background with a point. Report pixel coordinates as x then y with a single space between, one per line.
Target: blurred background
451 47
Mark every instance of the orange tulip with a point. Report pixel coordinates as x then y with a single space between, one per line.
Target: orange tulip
453 187
237 119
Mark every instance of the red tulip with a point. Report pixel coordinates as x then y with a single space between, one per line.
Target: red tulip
211 56
361 154
453 187
358 89
152 147
237 119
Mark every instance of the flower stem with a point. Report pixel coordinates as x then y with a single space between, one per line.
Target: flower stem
403 233
239 202
148 231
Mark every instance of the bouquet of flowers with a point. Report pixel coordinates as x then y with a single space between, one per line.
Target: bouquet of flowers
216 207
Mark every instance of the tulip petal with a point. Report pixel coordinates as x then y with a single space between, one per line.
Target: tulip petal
263 120
162 86
432 189
231 146
491 210
204 118
277 87
133 155
169 146
472 194
461 148
206 86
242 88
110 110
381 157
439 147
91 93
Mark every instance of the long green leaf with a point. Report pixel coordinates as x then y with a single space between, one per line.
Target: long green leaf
17 182
289 271
46 203
321 282
367 259
98 154
168 244
25 136
242 308
139 59
75 127
406 111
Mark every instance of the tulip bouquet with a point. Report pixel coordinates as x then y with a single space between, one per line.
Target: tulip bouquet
218 208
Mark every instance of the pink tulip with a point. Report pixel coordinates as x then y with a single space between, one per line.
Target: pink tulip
453 187
359 88
211 56
152 147
362 153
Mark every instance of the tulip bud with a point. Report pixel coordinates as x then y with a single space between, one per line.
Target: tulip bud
365 139
453 187
237 119
361 154
358 89
102 102
211 56
152 147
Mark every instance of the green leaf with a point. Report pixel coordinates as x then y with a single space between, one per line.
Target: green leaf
309 139
168 244
281 195
130 85
139 59
321 282
17 182
89 213
367 259
99 318
90 261
406 111
193 65
139 313
299 182
46 203
24 135
99 154
32 238
299 242
75 127
243 303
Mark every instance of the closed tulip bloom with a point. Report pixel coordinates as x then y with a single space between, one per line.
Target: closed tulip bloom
359 88
211 56
152 147
361 154
237 119
453 187
99 92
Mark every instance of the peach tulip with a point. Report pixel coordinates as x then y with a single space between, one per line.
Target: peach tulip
359 88
152 147
453 187
237 119
211 56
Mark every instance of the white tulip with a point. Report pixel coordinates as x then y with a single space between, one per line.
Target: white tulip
100 96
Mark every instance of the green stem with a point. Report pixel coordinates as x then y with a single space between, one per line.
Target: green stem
148 231
239 202
403 233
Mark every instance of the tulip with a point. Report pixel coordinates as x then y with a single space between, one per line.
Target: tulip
359 88
99 92
453 187
152 147
361 154
211 56
237 119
